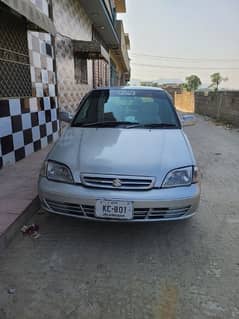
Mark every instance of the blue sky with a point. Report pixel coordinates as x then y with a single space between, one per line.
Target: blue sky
206 29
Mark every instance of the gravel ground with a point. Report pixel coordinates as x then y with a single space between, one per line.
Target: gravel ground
182 270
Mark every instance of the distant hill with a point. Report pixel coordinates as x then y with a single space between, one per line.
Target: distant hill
159 82
167 81
135 82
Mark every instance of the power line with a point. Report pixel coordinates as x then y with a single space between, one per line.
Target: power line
184 58
183 67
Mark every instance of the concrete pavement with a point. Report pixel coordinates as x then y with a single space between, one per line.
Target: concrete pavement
18 185
183 270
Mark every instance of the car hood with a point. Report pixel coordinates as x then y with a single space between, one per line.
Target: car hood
135 152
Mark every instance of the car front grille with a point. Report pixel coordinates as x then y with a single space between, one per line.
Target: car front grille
70 209
160 213
139 213
118 182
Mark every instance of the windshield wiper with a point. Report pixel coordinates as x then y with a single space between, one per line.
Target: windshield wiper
104 124
153 125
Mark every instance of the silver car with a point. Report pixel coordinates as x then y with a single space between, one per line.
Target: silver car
124 157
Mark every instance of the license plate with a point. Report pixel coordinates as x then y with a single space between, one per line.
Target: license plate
113 209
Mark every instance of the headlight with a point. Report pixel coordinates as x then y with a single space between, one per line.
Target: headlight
58 172
181 177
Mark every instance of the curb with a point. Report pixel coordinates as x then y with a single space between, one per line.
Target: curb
10 232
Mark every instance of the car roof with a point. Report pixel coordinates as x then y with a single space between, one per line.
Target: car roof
147 88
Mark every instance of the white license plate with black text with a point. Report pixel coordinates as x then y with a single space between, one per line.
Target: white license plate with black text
114 209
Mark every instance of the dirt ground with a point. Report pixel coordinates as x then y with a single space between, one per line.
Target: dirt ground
177 270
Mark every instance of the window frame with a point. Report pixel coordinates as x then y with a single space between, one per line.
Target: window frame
15 66
80 70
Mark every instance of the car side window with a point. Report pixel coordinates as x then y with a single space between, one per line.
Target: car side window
87 111
166 112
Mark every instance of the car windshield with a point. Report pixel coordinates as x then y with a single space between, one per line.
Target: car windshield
127 108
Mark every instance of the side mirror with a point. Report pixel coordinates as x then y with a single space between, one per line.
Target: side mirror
188 119
66 116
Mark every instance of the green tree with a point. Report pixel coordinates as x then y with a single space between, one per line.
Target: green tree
192 83
216 80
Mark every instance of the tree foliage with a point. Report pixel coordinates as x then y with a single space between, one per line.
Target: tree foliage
216 80
192 83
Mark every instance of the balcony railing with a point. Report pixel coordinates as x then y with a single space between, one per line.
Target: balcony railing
124 44
109 7
102 15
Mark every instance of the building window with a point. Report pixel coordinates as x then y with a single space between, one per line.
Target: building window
113 74
15 78
81 71
106 74
48 49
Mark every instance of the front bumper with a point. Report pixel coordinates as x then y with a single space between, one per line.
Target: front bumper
151 205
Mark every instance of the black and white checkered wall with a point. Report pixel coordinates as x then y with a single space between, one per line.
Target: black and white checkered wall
29 124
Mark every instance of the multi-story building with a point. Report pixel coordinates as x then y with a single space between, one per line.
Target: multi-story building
51 53
120 63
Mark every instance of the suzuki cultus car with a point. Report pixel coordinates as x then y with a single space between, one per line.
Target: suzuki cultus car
124 157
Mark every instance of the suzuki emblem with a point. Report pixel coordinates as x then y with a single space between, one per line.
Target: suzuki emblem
117 183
